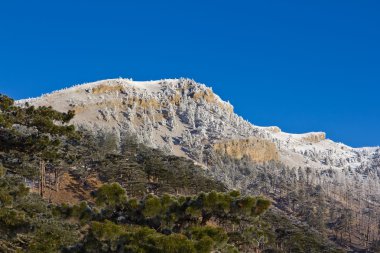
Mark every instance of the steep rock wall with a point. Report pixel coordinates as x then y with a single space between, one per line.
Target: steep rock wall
257 150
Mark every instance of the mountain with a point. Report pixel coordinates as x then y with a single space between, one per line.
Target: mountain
328 185
184 118
62 190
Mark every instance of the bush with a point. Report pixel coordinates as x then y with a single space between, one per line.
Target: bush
110 195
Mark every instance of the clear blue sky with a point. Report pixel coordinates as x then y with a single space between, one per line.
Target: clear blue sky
301 65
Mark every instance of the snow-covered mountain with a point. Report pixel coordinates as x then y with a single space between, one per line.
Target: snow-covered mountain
310 178
184 118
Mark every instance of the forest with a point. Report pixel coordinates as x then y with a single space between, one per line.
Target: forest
65 190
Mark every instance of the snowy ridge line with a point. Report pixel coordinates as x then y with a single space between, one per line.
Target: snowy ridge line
126 83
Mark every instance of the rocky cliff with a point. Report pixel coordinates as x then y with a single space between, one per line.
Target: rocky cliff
256 150
184 117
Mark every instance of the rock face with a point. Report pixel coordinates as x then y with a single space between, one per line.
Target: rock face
185 118
257 150
314 137
178 115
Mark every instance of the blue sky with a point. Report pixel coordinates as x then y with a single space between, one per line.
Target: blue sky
301 65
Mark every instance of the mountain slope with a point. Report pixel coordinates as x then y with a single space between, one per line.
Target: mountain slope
330 186
183 117
132 198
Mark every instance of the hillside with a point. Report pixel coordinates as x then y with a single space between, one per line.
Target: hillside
330 186
67 191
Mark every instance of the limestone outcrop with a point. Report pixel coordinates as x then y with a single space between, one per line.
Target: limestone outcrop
314 137
257 150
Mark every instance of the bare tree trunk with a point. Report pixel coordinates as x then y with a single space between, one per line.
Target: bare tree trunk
57 178
368 230
42 178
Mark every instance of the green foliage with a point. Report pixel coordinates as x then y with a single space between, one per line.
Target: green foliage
109 237
82 212
5 198
5 102
142 170
27 223
234 193
29 135
12 218
152 206
205 235
10 190
297 238
261 206
51 237
166 223
106 231
110 195
2 171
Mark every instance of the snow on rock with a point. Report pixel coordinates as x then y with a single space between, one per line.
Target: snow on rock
184 117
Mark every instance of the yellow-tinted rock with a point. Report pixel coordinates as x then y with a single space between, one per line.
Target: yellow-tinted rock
274 129
208 96
257 150
103 88
315 137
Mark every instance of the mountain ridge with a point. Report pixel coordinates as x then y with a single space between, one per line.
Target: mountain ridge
114 99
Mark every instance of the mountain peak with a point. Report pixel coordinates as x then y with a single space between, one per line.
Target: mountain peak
184 86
